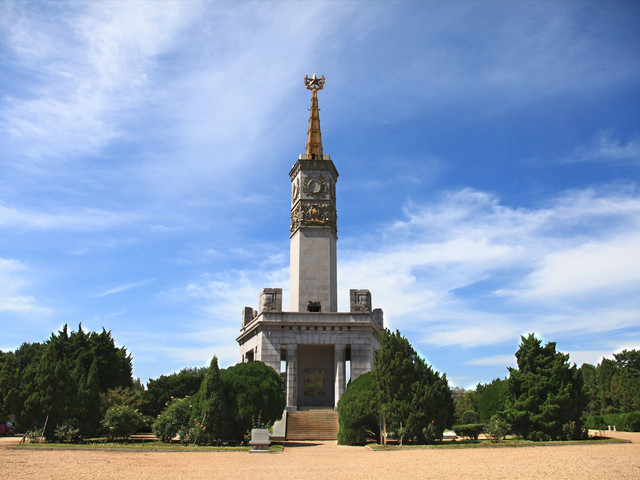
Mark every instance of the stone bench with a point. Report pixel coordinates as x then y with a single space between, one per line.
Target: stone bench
259 440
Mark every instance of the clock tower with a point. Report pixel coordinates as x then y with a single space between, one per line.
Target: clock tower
313 278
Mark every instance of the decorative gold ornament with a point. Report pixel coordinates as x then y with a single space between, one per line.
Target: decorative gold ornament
314 83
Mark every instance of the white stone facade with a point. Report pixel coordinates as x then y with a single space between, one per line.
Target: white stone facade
276 337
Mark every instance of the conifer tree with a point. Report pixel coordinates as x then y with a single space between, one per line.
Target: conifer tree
212 406
411 393
545 392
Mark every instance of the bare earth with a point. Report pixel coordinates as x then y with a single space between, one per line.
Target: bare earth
328 460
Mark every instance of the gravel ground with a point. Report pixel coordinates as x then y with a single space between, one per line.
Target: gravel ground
328 460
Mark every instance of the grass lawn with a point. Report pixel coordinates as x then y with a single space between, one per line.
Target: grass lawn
141 446
500 444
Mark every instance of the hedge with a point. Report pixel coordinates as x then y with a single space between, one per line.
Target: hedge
626 422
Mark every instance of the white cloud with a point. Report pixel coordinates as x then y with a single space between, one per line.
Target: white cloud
494 360
124 287
14 282
84 219
608 147
88 62
470 271
591 268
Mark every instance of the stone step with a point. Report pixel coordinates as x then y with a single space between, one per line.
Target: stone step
312 425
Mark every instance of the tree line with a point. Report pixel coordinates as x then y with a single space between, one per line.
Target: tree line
589 397
80 385
545 397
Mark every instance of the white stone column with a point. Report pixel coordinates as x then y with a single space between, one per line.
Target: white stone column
339 356
292 378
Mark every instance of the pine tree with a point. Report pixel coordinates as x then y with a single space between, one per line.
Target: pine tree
544 392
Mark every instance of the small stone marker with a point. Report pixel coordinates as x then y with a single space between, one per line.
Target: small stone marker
259 440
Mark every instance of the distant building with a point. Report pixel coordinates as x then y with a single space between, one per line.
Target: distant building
316 342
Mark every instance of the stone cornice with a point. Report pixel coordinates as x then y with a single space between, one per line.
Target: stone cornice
278 320
314 164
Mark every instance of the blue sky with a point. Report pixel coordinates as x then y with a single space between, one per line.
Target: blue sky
489 160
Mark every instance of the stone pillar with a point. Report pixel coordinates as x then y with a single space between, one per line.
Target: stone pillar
292 378
339 355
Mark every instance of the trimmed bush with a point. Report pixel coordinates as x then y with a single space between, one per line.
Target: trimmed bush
471 430
255 395
358 408
630 422
469 417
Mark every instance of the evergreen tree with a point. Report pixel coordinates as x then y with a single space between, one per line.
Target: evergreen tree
491 399
410 392
254 392
63 378
625 383
604 374
544 392
359 411
160 391
211 406
590 381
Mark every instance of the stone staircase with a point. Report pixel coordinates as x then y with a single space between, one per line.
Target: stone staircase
316 424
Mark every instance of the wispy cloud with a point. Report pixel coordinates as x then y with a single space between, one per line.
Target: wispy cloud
124 287
606 146
89 63
67 219
15 286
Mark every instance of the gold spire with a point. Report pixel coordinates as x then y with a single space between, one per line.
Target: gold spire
314 136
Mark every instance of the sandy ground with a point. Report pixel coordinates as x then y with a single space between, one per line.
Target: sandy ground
328 460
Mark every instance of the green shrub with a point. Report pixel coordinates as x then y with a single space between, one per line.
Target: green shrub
471 430
469 417
173 419
572 431
629 422
497 428
67 433
255 396
595 422
626 422
358 408
122 420
430 433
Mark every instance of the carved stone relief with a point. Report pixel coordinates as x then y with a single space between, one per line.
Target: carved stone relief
315 186
271 300
360 300
295 190
313 214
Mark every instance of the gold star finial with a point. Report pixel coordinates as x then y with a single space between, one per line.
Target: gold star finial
314 83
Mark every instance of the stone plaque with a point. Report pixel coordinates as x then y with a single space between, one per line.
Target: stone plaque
314 382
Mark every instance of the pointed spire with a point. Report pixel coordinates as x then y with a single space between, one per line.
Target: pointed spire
314 136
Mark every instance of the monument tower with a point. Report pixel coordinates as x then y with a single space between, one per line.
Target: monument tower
318 346
313 277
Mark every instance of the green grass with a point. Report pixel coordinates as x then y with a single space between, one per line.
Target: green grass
500 444
141 446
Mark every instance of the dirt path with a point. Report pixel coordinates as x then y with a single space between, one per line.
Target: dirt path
328 460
